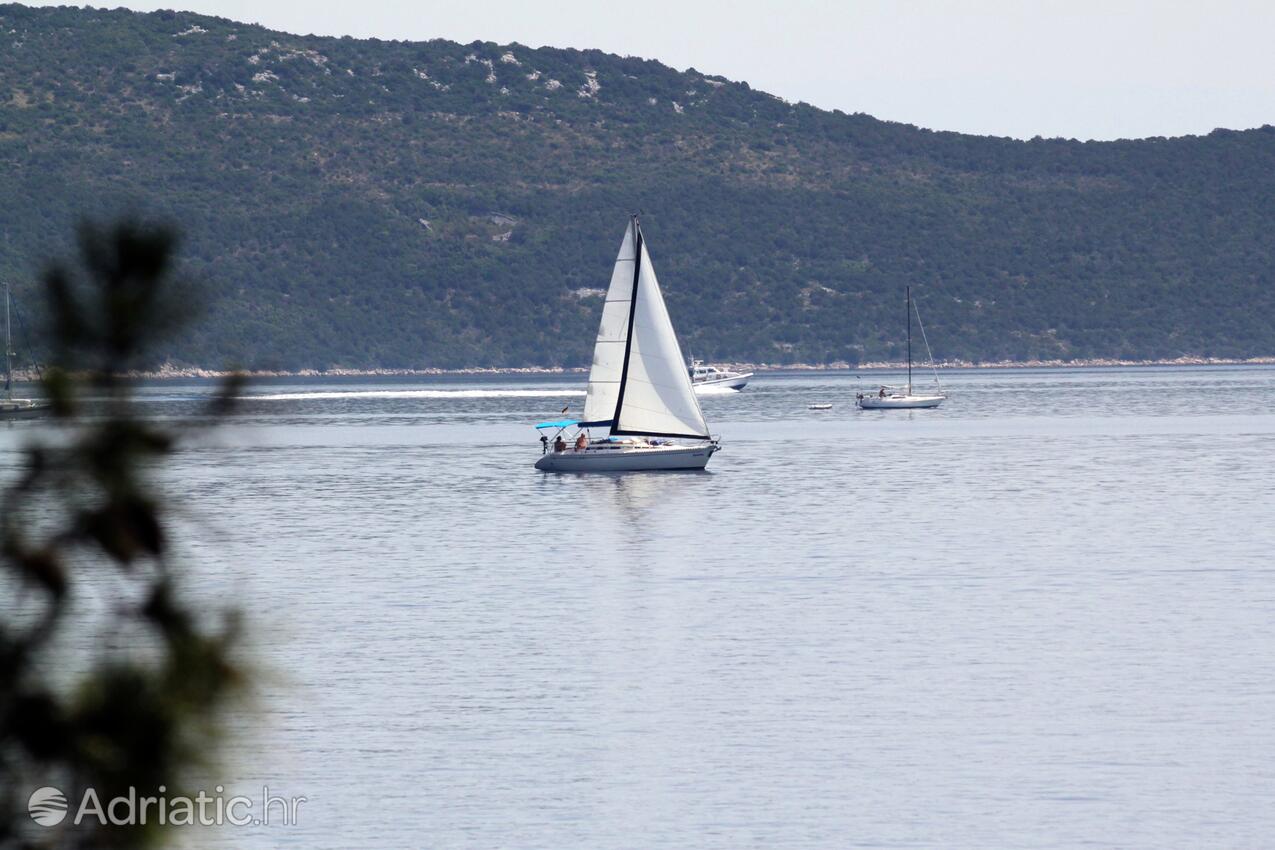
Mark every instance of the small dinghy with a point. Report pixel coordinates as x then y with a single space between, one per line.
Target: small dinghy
824 406
640 395
902 398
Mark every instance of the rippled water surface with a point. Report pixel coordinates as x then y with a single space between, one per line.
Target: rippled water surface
1040 616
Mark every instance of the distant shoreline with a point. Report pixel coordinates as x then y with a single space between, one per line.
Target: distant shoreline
179 372
172 372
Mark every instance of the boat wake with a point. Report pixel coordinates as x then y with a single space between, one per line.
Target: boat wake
716 391
357 394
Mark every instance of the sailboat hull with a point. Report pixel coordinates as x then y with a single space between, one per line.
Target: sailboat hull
907 402
627 458
21 408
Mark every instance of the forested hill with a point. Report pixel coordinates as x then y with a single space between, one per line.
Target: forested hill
378 203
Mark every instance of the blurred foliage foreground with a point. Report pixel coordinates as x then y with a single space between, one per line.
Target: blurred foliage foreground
133 694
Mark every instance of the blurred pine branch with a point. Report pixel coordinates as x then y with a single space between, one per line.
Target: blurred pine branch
82 518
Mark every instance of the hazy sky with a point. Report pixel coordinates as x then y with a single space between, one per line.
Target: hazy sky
1076 68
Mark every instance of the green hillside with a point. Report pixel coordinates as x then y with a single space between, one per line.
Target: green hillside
377 203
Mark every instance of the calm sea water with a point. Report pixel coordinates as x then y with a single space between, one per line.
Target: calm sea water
1040 616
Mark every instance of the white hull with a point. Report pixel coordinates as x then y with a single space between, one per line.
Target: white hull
903 402
627 458
734 382
18 408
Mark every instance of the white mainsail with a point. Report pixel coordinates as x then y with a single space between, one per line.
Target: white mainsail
638 382
613 332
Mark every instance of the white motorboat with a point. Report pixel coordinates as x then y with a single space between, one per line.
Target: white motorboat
10 407
711 376
903 398
640 411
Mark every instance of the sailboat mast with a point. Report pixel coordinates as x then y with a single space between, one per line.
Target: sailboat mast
8 347
909 340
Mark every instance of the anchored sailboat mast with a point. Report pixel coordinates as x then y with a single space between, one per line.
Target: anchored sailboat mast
8 347
909 340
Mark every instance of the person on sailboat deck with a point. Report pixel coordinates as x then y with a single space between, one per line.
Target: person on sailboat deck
582 441
559 445
882 393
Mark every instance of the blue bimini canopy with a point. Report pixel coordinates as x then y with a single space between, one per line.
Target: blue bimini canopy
567 423
562 423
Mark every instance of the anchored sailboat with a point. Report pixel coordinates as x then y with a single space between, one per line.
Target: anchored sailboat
10 407
639 388
894 398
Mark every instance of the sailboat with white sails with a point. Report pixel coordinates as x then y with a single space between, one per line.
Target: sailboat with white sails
639 388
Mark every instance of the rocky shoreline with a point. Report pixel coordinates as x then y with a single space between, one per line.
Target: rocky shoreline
175 372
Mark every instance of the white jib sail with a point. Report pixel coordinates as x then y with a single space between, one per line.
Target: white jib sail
653 395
